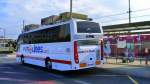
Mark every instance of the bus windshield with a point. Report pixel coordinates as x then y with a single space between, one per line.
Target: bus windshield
88 27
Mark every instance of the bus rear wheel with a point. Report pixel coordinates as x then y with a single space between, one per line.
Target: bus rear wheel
48 64
22 59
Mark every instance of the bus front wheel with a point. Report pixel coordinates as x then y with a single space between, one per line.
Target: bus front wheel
48 64
22 59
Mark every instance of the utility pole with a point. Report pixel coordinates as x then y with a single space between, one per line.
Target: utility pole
70 9
129 11
4 31
23 25
4 34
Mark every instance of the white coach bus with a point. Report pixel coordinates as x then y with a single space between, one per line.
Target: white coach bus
69 45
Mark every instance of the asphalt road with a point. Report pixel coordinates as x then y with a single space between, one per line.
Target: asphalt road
15 73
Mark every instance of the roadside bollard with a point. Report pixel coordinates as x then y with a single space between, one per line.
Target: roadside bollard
146 61
140 60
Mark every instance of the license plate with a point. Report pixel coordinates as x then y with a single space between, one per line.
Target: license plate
90 64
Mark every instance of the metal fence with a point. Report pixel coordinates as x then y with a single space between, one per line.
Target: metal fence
130 50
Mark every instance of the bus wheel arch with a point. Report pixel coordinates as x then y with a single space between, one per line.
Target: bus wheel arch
48 63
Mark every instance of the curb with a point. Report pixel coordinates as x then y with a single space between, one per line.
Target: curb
131 65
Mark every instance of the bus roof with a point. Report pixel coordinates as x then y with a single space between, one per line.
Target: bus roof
59 23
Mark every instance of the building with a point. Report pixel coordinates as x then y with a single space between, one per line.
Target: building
127 39
7 45
132 28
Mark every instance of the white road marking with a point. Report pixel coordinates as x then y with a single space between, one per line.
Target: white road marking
110 75
134 81
81 82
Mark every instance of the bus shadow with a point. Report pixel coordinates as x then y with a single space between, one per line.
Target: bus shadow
71 73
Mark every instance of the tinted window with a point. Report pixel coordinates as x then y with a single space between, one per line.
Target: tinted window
64 33
56 34
88 42
88 27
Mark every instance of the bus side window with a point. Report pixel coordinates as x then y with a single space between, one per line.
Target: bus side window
64 34
67 33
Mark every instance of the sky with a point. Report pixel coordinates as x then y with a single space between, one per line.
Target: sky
13 12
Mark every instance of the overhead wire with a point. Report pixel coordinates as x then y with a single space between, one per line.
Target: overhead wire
125 18
123 13
107 16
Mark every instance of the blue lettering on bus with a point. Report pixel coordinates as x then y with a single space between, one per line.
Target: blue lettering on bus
36 49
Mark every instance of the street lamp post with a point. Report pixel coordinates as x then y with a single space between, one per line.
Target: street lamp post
70 9
4 31
23 25
129 11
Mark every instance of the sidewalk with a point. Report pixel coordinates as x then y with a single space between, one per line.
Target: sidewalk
136 62
13 55
7 58
138 71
